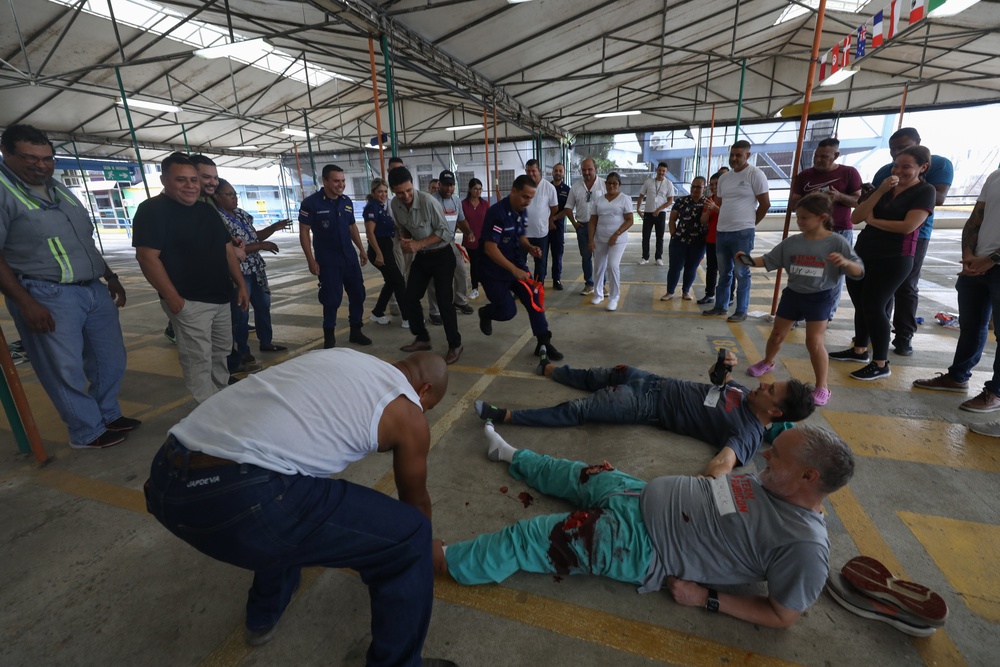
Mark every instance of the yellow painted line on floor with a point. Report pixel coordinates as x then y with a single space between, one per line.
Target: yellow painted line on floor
84 487
965 551
750 353
591 625
916 440
938 649
163 409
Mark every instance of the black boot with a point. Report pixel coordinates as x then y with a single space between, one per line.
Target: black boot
329 340
546 340
357 337
486 324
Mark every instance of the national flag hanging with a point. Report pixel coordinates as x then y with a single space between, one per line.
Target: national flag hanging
916 10
845 52
823 65
934 4
877 31
893 26
835 58
862 38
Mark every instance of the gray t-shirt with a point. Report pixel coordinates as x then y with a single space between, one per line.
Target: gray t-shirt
728 422
805 261
731 531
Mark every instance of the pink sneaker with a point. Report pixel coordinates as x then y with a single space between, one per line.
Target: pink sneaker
759 369
821 395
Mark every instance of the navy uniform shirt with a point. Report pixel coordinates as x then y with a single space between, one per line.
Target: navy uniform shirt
330 221
505 227
562 192
376 212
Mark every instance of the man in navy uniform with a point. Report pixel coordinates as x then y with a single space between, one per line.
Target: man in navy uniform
329 214
504 274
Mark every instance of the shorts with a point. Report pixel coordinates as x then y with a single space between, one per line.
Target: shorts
812 307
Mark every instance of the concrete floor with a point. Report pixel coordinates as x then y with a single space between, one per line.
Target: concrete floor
90 579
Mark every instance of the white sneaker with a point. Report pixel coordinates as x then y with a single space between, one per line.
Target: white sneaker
375 319
643 262
405 324
659 262
474 294
597 299
613 304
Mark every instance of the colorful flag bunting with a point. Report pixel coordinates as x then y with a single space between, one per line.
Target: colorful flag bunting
835 58
845 52
916 10
893 26
862 38
877 31
823 65
934 4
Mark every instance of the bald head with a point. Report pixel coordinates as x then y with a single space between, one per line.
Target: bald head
428 375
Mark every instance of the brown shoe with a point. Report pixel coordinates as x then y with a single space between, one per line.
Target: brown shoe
456 352
942 382
987 401
416 346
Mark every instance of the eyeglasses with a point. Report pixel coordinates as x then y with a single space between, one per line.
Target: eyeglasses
48 160
588 196
228 194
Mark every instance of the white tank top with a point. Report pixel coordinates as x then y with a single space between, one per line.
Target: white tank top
313 415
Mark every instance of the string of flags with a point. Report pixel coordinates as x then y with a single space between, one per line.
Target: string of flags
885 26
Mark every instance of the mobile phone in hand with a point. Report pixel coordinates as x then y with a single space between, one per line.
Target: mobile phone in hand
745 259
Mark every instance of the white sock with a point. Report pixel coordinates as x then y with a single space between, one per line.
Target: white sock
499 449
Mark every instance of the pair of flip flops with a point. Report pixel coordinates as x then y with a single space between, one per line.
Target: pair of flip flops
866 587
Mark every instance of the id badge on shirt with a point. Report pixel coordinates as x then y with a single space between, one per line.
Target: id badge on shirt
712 398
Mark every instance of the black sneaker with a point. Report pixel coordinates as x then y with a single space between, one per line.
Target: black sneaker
465 308
903 347
103 441
557 285
436 320
543 361
708 298
850 355
715 311
123 424
872 372
487 411
485 324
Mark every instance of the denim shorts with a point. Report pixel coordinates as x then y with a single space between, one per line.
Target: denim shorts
812 307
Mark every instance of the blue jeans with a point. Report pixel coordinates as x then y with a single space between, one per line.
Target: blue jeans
607 537
849 235
86 347
621 395
541 268
978 298
727 244
276 524
586 257
684 257
260 299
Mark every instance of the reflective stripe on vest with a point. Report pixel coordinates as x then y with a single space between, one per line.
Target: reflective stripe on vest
62 259
16 191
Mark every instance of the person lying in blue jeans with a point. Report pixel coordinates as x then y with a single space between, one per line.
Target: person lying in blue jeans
734 421
689 534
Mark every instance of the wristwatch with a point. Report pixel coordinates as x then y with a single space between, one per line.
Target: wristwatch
713 601
995 257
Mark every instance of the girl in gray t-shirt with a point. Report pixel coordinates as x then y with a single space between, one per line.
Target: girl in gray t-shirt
814 261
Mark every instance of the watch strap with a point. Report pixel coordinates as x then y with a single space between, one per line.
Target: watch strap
712 604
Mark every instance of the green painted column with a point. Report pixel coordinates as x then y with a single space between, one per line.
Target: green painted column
739 105
389 85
